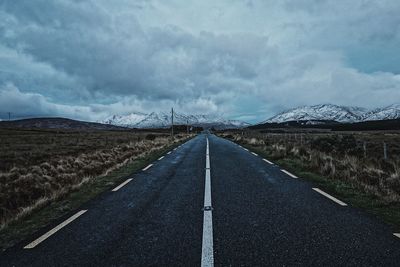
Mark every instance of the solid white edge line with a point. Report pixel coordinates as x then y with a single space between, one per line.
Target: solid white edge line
245 149
161 158
397 234
268 161
288 173
341 203
54 230
207 247
148 167
121 185
255 154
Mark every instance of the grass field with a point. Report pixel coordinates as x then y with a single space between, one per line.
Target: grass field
39 166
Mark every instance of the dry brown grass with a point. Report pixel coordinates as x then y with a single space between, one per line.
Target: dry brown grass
38 166
339 156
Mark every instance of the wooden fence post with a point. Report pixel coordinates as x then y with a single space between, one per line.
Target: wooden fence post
365 149
385 151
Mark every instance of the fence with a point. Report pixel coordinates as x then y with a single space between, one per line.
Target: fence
375 145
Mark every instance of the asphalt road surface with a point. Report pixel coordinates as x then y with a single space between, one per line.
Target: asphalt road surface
211 202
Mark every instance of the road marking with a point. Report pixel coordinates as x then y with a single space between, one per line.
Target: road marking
207 249
341 203
288 173
121 185
161 158
245 149
397 234
255 154
148 167
54 230
169 153
175 148
207 193
268 161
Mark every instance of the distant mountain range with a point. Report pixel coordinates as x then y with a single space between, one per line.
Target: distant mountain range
57 123
325 114
163 120
335 113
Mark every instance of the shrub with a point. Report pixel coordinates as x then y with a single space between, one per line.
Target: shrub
150 137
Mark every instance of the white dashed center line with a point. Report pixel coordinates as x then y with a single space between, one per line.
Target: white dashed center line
341 203
161 158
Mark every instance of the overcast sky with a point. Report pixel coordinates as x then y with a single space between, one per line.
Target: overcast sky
244 59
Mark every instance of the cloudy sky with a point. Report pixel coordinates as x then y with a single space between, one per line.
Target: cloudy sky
246 59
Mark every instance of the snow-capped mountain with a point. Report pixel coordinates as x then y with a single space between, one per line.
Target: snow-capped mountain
387 113
320 112
329 112
163 120
126 121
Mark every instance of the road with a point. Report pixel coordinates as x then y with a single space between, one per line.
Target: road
222 206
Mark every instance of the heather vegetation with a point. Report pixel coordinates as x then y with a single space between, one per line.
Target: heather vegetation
367 161
37 167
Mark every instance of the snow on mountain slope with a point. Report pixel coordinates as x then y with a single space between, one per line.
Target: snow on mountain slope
126 121
387 113
329 112
320 112
238 123
154 120
163 120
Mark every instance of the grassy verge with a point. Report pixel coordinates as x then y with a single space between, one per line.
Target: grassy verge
351 194
21 229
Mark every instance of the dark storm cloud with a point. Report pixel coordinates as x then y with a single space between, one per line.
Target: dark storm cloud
104 57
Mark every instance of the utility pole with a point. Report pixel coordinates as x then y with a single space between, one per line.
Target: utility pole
172 122
9 116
